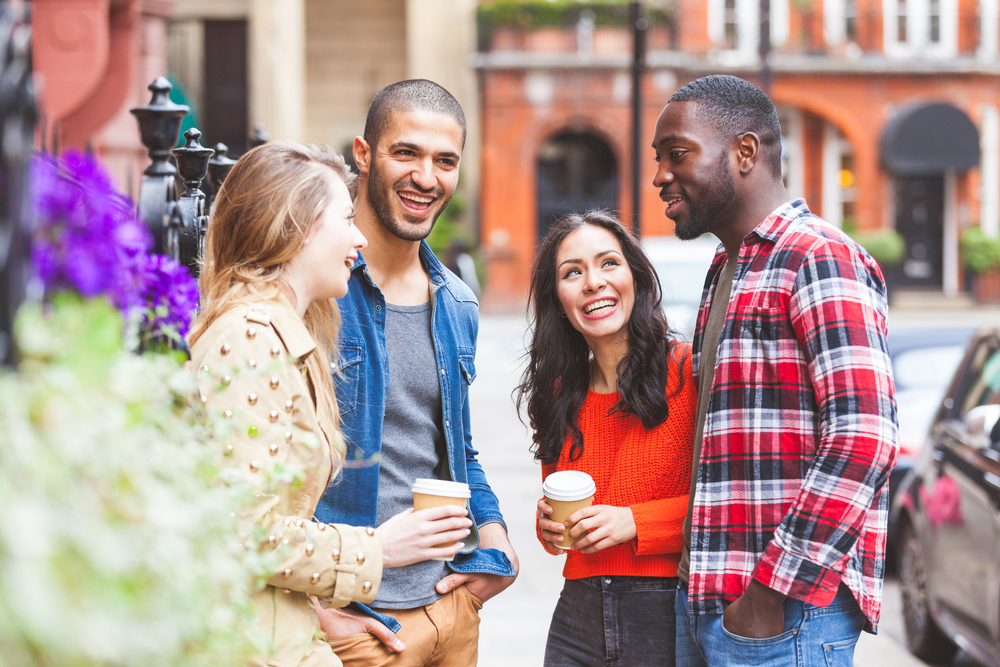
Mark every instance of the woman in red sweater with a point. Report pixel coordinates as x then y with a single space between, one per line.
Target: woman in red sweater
609 393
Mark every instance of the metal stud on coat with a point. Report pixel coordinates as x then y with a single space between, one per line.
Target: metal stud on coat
226 349
252 399
251 333
273 416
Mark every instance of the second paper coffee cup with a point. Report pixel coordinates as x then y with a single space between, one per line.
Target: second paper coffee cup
567 491
429 493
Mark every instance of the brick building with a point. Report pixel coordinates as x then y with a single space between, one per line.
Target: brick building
889 111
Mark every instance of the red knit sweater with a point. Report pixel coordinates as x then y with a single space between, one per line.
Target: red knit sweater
647 470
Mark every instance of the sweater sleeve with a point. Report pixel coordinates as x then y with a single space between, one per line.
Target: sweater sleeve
658 523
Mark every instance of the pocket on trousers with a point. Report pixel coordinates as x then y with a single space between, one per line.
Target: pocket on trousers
477 604
840 654
787 635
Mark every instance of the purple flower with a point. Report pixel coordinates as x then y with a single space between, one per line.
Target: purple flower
88 238
87 233
168 297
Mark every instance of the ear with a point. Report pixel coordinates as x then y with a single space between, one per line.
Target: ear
748 151
362 154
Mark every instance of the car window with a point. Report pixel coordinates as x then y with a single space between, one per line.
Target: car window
926 367
980 409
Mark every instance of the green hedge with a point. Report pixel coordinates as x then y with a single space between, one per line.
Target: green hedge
980 252
886 246
529 14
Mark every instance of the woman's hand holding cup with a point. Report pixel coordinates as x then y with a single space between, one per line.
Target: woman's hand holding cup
415 536
552 532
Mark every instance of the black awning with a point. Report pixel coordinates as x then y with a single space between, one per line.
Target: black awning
929 139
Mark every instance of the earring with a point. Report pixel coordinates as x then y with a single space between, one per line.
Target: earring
307 241
562 314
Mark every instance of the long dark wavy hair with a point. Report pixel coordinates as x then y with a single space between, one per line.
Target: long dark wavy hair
555 383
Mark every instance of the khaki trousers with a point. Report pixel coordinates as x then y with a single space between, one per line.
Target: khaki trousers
443 634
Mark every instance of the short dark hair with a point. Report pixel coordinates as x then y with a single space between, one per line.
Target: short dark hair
733 106
554 384
410 95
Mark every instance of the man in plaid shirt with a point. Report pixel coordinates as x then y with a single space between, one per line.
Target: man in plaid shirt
796 429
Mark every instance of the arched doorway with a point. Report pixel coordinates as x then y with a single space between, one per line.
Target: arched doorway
923 148
575 171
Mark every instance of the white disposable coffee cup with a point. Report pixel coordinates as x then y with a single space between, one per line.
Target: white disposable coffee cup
567 491
429 493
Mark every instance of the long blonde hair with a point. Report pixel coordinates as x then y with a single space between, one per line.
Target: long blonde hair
261 218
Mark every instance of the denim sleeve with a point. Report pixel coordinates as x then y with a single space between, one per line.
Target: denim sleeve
483 503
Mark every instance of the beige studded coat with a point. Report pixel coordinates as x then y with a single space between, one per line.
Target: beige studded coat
250 368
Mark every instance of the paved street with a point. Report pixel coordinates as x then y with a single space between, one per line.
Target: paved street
514 625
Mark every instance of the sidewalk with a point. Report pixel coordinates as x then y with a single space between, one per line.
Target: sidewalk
515 624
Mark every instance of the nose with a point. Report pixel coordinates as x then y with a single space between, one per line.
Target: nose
423 175
663 175
594 281
360 241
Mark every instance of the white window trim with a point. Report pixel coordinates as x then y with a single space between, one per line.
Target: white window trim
989 170
833 209
748 30
791 130
917 27
989 15
833 21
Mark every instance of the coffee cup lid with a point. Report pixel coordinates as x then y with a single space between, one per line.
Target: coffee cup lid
568 485
440 487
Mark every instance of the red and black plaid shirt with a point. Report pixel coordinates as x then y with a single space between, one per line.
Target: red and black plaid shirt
801 428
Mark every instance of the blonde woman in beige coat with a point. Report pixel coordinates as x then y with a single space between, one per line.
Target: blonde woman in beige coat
279 249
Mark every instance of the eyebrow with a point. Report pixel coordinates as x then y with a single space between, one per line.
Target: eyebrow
419 149
671 137
580 261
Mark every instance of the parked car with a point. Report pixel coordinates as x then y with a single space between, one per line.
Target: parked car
948 512
923 363
682 267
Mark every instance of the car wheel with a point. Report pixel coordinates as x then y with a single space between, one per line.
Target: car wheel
923 637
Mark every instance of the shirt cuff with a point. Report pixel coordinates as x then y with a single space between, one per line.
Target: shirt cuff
797 577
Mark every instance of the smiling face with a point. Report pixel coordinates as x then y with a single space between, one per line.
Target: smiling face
325 261
594 284
694 175
413 172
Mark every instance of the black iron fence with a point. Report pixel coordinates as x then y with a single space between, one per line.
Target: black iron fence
175 199
17 129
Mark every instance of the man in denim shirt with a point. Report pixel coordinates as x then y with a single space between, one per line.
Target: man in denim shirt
407 358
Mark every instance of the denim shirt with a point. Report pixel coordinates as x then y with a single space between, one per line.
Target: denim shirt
361 381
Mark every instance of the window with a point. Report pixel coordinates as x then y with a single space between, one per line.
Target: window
920 28
851 20
934 22
730 25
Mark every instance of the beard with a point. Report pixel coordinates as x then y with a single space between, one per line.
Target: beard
714 198
379 198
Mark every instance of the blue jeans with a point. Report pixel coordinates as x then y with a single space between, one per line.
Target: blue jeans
813 637
620 621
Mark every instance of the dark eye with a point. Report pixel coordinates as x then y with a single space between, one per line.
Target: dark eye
677 154
656 158
571 272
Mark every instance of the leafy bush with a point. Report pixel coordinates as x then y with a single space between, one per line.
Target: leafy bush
117 543
887 247
980 252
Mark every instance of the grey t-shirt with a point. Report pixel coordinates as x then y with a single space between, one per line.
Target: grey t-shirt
413 444
706 371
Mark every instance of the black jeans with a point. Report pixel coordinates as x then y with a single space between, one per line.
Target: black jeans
620 621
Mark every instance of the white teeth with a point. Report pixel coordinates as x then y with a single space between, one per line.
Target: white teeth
419 200
599 305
